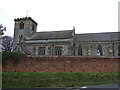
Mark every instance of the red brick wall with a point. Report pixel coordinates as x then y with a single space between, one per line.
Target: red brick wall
64 64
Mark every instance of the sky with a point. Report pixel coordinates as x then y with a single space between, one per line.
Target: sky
88 16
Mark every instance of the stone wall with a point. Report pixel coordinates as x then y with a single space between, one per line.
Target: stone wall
25 32
63 64
109 48
88 48
49 47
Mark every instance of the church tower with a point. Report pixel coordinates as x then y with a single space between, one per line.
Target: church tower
23 28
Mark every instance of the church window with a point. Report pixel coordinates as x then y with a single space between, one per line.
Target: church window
41 51
99 51
50 50
73 49
21 25
33 27
119 50
79 51
20 38
58 50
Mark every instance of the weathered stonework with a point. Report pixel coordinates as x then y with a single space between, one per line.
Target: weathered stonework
65 43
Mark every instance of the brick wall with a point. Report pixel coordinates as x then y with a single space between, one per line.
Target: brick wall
63 64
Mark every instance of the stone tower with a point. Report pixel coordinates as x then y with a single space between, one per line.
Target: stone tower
23 28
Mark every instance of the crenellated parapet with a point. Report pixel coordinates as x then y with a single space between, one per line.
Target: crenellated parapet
24 19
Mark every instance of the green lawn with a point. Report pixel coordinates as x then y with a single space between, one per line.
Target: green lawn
56 79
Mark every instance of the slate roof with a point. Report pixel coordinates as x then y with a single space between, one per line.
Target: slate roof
52 35
109 36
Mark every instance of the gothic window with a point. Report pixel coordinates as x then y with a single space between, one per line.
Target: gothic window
41 51
33 27
50 50
79 51
99 51
119 50
21 25
113 48
73 49
58 50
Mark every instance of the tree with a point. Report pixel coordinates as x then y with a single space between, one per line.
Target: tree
1 33
2 29
7 43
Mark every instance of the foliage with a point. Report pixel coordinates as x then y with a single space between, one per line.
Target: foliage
11 56
56 79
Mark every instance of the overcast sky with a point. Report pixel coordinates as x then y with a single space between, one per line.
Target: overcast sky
88 16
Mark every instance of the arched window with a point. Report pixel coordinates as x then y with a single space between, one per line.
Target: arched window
119 50
33 27
21 25
79 51
99 51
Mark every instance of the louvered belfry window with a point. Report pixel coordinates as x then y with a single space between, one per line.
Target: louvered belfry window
21 25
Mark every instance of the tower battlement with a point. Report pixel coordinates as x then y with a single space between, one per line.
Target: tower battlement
25 18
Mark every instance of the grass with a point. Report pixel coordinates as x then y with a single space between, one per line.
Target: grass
56 79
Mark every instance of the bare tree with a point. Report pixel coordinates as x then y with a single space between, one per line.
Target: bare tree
2 29
7 43
1 33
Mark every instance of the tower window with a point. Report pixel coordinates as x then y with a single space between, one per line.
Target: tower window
41 51
80 51
99 51
21 25
58 50
33 27
20 38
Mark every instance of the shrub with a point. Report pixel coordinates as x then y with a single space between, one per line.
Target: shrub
14 56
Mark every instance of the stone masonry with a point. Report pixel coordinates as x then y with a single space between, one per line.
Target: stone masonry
62 43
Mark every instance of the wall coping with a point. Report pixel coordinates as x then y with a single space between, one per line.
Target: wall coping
29 56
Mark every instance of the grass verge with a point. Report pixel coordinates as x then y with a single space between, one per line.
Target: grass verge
56 79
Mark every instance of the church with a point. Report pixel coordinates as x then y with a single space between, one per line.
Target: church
62 43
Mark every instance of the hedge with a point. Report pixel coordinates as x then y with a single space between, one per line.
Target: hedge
14 56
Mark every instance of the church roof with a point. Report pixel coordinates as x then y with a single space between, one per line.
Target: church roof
52 35
109 36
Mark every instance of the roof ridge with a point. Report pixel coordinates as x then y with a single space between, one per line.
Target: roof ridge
96 33
54 31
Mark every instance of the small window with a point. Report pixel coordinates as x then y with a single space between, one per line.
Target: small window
99 51
79 51
21 25
33 27
58 50
20 38
41 51
119 50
